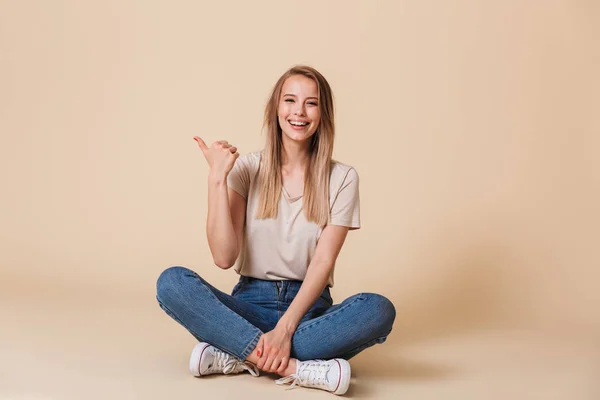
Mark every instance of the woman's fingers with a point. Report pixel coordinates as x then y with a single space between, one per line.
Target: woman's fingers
262 361
220 156
259 347
268 358
275 365
201 143
225 145
203 146
269 363
222 143
283 366
260 353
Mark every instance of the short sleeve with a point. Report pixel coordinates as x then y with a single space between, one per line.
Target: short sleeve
239 176
345 210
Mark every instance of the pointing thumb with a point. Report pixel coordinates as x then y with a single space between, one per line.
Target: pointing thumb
201 143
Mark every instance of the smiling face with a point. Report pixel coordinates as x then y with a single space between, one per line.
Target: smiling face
298 110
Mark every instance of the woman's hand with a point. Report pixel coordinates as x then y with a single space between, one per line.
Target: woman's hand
220 156
273 350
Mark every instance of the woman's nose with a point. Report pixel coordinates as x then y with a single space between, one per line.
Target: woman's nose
299 110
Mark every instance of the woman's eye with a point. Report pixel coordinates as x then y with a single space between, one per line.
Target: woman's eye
313 104
289 100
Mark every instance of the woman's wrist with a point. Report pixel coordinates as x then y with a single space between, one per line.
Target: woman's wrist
217 178
288 325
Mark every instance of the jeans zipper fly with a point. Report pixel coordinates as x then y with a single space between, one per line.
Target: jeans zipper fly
278 296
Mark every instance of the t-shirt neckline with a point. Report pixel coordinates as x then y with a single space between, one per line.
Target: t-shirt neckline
289 198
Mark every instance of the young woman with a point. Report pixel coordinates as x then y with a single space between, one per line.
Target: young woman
280 216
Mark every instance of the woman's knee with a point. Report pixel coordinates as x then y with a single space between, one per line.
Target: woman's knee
170 282
383 308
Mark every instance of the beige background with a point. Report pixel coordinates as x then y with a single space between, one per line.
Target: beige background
474 127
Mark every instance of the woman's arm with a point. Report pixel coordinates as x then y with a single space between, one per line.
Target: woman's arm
226 208
225 221
274 347
329 246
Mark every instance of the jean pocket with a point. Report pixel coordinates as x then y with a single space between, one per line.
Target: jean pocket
238 286
320 306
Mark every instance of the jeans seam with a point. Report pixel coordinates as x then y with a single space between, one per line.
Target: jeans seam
364 346
223 305
172 315
278 296
250 346
231 307
318 320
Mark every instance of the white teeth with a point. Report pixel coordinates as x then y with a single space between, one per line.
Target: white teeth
298 123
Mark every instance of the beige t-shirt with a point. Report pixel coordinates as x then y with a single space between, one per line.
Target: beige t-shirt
281 248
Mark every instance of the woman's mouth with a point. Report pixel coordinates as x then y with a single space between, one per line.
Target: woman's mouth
298 125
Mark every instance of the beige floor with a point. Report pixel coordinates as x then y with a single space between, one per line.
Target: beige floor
65 345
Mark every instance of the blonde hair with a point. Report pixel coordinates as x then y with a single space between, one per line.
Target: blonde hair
316 176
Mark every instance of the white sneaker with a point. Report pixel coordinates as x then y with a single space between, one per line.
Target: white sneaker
207 359
332 375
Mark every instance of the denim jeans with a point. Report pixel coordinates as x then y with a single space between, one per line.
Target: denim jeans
234 323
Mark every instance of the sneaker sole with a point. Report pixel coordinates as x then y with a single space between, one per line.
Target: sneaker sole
196 357
345 373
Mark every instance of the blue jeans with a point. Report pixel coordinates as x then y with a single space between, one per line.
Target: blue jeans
234 323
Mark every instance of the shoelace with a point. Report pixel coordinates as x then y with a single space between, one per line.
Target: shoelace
229 365
312 374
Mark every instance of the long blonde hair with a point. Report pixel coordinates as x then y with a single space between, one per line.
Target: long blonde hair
316 177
